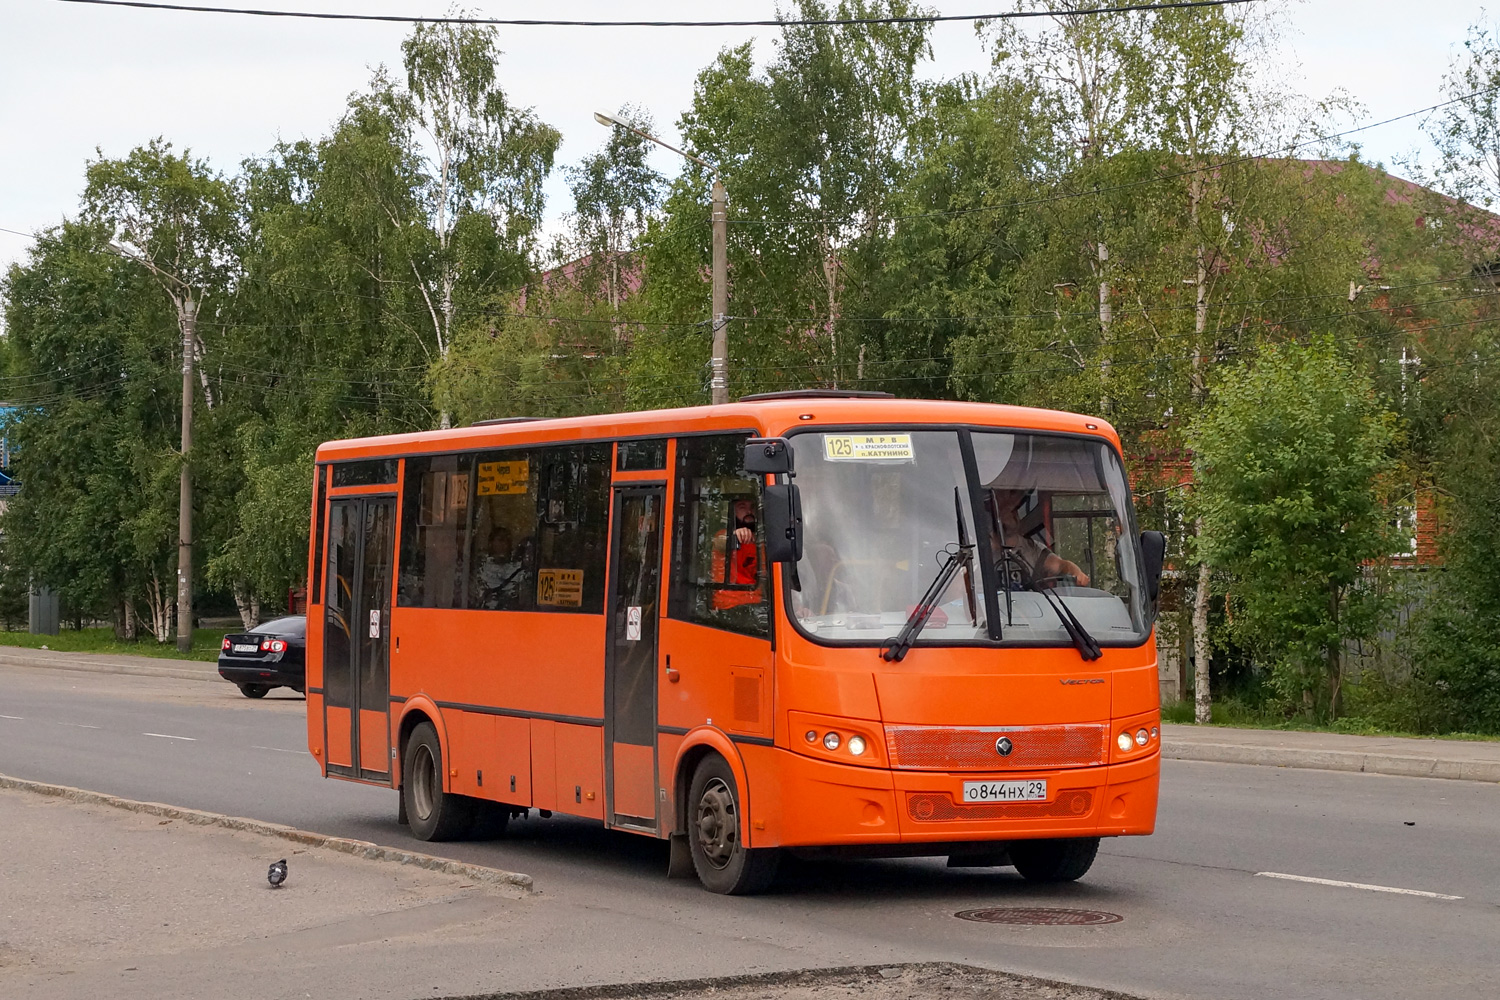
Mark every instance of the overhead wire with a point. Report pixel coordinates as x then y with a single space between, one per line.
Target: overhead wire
532 22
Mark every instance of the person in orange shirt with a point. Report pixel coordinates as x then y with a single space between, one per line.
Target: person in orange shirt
737 558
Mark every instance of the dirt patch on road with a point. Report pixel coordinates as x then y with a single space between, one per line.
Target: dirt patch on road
926 981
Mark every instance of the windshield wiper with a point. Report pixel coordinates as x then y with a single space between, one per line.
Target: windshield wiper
955 558
1087 646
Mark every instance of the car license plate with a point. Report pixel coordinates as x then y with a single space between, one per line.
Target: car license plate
1032 790
245 647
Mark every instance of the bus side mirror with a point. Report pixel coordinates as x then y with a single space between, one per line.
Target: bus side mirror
783 514
768 456
1153 554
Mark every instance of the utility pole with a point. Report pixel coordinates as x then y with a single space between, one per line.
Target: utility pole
719 362
188 320
183 297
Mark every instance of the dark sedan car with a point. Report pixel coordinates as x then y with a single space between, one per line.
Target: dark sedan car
273 654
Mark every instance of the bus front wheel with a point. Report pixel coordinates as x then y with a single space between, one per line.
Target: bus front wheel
433 813
1054 860
716 834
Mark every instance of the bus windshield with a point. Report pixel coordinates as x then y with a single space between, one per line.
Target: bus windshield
1053 533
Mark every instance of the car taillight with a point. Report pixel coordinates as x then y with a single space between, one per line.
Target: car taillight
277 646
225 644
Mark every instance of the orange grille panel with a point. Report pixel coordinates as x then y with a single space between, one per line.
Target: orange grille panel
950 748
938 807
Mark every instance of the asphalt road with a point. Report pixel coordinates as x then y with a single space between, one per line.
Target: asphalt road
1199 919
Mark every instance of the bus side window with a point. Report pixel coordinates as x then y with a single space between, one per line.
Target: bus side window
719 575
573 507
434 522
502 557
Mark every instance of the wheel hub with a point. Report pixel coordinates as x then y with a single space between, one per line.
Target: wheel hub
718 824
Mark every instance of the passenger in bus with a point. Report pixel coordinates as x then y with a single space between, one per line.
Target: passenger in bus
737 559
1024 561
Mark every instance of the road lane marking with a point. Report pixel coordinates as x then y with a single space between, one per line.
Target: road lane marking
278 749
1356 885
15 717
169 736
77 725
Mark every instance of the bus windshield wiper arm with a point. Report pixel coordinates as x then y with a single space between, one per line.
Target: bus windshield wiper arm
955 558
1087 645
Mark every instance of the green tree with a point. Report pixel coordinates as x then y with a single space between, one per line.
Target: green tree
480 163
810 149
1290 456
95 377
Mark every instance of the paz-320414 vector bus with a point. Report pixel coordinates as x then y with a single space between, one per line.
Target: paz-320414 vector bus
813 621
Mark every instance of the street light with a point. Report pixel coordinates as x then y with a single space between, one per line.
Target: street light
719 362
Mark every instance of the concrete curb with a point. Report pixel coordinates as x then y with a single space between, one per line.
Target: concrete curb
66 661
358 848
1334 760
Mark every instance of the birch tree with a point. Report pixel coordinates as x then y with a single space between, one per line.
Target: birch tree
481 162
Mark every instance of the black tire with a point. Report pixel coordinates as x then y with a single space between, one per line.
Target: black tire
1054 860
716 825
432 813
254 690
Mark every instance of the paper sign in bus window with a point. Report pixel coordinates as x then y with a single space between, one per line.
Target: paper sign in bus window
502 478
868 448
560 588
632 624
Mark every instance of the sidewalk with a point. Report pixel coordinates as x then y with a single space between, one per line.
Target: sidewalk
104 663
1415 758
104 902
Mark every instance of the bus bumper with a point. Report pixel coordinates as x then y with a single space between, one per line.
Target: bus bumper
805 802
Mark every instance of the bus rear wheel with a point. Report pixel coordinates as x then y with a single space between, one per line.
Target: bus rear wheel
716 835
433 813
1054 860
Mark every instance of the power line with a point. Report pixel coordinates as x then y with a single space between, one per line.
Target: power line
512 22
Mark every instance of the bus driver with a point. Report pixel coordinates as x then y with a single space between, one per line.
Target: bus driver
1025 562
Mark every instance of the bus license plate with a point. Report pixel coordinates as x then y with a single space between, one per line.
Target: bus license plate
1033 790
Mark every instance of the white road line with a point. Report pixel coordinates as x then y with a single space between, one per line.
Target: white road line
278 749
1356 885
15 717
169 736
77 725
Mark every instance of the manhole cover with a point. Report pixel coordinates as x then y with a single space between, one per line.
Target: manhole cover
1040 916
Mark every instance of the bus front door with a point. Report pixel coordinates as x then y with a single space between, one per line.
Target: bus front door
356 637
630 660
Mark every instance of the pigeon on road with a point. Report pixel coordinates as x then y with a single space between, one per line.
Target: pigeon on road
277 874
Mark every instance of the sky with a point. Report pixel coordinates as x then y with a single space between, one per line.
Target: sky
78 78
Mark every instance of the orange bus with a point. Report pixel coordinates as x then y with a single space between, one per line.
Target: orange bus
818 621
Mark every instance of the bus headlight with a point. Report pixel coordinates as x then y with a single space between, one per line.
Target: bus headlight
831 741
856 745
1125 742
1140 737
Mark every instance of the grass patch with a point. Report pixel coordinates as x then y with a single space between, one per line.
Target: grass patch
206 642
1231 713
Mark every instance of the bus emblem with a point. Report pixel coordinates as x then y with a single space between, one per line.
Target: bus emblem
1003 746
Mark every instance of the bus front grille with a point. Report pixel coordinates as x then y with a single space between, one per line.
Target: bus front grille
996 748
938 807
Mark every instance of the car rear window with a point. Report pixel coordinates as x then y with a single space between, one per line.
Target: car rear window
293 625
